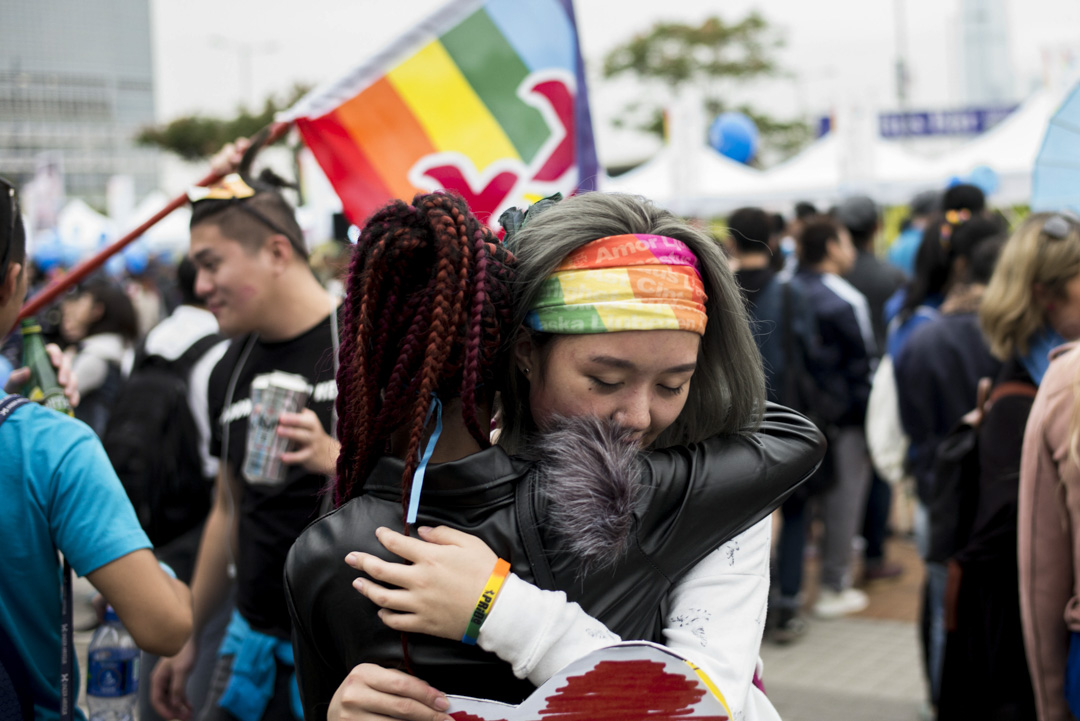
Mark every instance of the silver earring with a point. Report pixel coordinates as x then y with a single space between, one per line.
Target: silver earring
525 371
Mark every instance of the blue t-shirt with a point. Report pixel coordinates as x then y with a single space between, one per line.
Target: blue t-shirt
903 250
59 493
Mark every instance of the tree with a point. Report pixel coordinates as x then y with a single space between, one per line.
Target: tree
196 137
713 56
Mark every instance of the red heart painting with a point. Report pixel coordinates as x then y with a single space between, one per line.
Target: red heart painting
625 682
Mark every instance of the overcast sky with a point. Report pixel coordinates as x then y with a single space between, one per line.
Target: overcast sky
836 50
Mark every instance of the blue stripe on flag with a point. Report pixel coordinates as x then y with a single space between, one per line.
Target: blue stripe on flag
538 30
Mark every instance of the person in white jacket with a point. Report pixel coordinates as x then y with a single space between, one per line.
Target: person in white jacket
714 614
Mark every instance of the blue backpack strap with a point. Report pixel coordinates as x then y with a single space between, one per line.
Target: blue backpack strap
12 665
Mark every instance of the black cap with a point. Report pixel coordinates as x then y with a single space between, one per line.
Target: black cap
859 214
927 202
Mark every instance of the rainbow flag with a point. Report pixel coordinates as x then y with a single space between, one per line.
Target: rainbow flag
485 97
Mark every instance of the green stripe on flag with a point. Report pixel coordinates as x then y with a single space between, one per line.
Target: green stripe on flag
495 71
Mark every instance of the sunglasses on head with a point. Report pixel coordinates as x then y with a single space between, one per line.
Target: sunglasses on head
1058 226
234 190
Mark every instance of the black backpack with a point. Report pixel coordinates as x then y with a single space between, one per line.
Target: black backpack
954 497
153 443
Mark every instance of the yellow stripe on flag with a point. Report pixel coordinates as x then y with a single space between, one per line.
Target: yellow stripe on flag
448 108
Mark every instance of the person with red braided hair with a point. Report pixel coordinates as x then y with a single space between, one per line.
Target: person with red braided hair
625 505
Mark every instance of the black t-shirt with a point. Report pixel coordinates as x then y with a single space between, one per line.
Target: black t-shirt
271 516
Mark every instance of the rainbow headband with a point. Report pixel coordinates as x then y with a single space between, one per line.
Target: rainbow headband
622 283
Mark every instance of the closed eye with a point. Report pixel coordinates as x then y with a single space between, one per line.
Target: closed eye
602 386
672 391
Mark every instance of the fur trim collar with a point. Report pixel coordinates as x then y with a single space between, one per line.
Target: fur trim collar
588 472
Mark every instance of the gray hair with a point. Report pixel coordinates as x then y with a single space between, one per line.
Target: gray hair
728 391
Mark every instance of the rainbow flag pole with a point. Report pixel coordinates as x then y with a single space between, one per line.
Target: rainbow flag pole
53 291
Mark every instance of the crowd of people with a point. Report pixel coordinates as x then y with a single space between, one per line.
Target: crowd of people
935 356
601 406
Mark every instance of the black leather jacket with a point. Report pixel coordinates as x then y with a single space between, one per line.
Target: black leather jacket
690 501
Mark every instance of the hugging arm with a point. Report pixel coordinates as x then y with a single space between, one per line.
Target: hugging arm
538 632
714 616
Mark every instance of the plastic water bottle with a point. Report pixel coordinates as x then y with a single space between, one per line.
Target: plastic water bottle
112 675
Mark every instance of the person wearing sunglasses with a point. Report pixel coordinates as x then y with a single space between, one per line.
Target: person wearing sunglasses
1049 531
1031 306
252 272
60 493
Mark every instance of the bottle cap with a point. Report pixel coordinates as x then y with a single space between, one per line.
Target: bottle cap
110 615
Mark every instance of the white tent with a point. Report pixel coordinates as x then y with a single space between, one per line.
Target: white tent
837 166
856 160
170 234
833 167
81 228
1009 149
702 184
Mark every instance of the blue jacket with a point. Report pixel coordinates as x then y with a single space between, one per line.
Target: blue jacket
764 294
847 339
937 378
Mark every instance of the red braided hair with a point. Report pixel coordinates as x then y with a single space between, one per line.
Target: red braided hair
427 313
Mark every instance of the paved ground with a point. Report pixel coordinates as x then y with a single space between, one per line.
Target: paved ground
861 668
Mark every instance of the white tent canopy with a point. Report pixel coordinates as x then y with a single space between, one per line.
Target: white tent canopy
81 227
170 234
709 180
1009 149
841 164
822 173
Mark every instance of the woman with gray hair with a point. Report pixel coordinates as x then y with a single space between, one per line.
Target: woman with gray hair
636 504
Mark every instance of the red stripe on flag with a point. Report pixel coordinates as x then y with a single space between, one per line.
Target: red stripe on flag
354 178
388 133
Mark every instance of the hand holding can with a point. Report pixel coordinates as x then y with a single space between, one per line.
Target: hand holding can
271 395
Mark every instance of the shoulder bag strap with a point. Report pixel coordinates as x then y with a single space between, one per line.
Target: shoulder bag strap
1012 388
67 648
196 351
530 536
8 405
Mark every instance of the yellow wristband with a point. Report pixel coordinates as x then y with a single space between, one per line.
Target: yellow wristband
487 600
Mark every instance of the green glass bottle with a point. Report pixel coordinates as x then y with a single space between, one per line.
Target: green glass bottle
42 387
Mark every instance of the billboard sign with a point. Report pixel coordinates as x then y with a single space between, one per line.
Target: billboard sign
921 124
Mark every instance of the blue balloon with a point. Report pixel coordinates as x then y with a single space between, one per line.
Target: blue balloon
735 136
984 178
71 255
47 256
136 258
115 266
